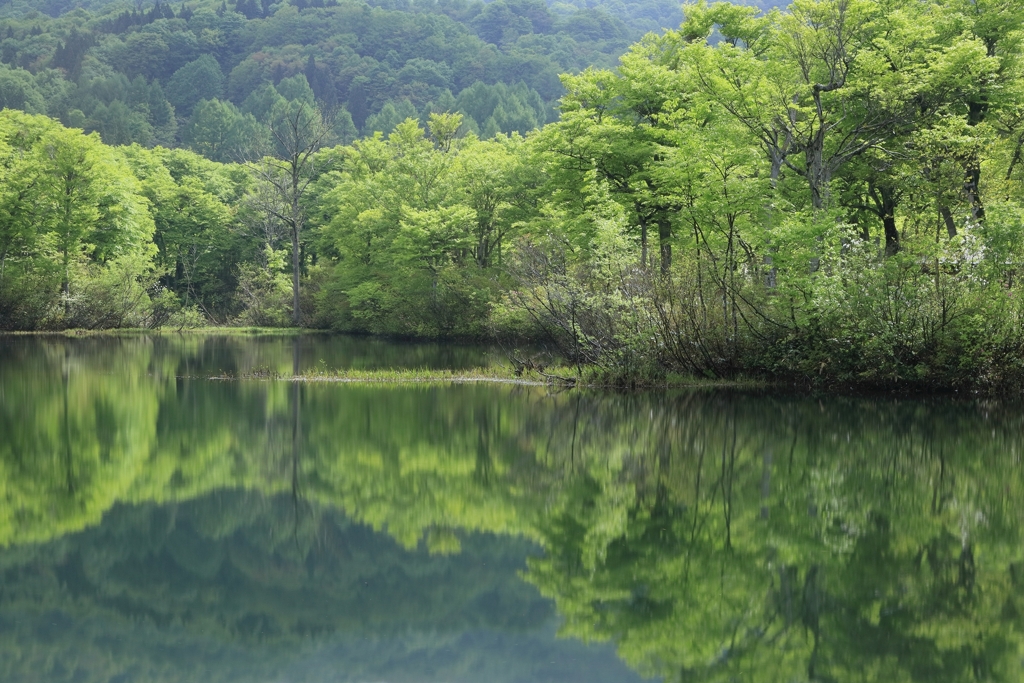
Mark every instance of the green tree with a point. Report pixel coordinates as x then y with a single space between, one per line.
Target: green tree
298 131
69 182
389 117
27 277
89 226
418 225
18 90
119 125
220 132
198 80
261 102
196 232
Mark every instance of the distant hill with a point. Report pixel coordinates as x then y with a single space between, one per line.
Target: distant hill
178 73
164 73
142 74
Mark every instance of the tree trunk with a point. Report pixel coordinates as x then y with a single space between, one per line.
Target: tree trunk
296 230
665 240
972 190
818 175
297 135
885 201
1015 159
947 218
643 243
296 314
65 284
892 235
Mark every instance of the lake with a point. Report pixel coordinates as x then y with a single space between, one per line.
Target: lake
161 520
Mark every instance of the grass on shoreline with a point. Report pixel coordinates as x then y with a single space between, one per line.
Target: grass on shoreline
562 377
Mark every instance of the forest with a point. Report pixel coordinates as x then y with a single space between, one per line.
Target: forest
710 536
825 193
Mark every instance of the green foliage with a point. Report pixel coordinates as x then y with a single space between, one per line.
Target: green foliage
118 125
193 203
264 291
830 189
418 225
388 117
830 194
199 80
500 109
18 90
220 132
344 54
75 226
96 236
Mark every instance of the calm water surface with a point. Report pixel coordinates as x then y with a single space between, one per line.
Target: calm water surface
159 525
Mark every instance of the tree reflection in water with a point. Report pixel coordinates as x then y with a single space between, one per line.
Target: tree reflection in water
710 536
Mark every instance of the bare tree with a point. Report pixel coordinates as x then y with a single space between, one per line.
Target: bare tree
297 132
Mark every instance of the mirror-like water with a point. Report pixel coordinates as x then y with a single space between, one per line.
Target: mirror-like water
156 525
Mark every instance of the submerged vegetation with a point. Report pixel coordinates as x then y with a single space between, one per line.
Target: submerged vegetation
826 194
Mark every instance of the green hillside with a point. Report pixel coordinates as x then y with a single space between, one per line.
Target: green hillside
149 74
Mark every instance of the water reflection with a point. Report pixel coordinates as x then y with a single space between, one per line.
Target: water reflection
227 587
759 540
709 537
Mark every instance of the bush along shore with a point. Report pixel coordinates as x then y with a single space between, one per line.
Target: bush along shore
829 195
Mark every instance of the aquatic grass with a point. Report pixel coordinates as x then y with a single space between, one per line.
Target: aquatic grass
497 373
558 376
494 373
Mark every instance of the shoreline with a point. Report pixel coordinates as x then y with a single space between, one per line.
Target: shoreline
559 376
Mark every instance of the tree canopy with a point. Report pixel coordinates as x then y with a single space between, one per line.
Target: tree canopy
828 193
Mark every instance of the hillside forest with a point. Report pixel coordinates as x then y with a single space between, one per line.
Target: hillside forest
829 192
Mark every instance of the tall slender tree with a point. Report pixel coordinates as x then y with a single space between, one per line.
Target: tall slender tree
298 131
